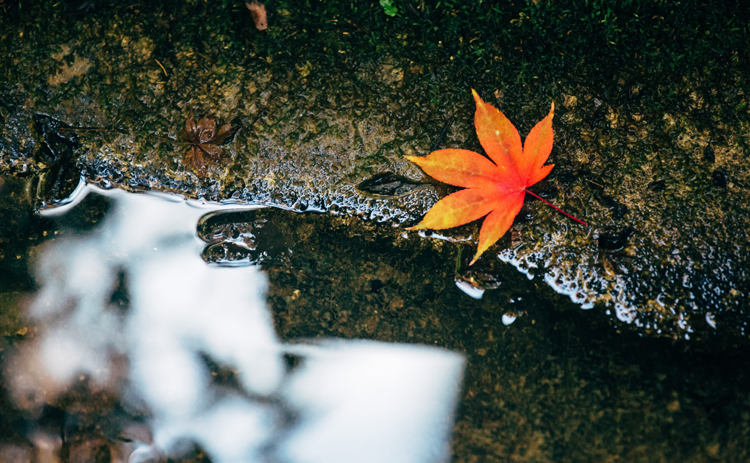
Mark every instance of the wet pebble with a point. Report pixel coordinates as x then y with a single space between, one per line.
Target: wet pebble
719 178
615 241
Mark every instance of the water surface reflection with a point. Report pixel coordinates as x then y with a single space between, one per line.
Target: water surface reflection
185 354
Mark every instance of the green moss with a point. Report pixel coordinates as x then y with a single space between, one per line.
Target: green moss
334 92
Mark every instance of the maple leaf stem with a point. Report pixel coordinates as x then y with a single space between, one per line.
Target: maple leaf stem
556 208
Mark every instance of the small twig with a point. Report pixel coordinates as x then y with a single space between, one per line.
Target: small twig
556 208
162 67
591 181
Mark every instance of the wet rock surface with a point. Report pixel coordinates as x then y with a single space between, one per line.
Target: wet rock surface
650 145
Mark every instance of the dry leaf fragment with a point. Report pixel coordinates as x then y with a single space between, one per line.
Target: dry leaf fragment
258 12
205 139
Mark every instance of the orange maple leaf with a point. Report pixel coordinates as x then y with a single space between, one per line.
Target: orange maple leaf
495 187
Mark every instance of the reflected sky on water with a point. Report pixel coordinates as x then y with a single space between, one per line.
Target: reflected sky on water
158 353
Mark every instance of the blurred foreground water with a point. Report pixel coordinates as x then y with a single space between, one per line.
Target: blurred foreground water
186 354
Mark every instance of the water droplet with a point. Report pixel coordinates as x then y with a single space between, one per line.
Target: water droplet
710 320
470 290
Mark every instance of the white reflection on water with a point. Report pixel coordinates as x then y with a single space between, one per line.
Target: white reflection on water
351 400
369 402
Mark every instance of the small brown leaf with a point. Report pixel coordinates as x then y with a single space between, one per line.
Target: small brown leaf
213 152
205 141
258 12
224 133
207 127
191 129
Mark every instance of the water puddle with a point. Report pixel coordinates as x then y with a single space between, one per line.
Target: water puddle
136 347
146 328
